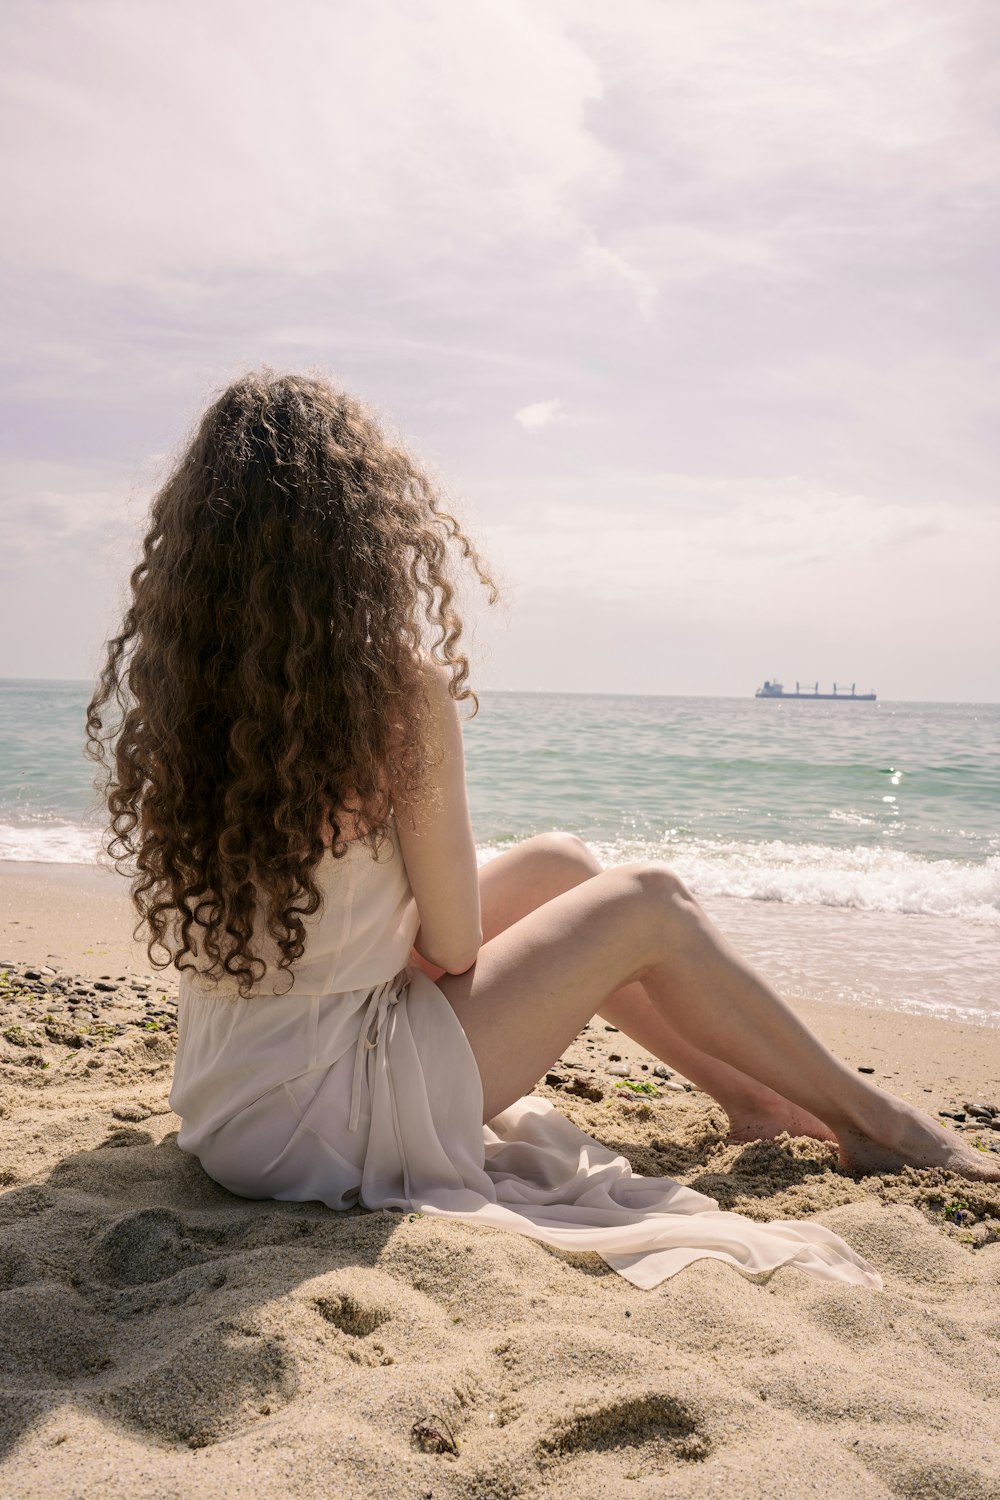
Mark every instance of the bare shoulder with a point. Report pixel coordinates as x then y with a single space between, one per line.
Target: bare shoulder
441 722
436 678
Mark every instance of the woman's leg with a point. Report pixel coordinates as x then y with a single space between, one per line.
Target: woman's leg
523 879
537 983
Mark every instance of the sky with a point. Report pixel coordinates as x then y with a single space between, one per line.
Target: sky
690 308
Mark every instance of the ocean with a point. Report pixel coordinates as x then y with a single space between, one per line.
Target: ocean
850 850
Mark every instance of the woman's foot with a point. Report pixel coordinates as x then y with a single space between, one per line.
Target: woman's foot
763 1117
909 1138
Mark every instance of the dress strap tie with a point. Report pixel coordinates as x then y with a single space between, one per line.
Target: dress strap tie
382 998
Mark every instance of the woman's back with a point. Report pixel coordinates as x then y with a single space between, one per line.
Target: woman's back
233 1050
361 935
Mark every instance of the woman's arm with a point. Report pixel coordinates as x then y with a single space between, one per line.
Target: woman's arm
435 835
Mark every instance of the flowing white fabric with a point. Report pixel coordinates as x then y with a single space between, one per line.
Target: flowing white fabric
357 1088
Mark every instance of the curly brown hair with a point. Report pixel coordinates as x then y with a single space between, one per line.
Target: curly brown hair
298 572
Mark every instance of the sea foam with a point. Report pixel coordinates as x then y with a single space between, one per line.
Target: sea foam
50 842
874 878
865 878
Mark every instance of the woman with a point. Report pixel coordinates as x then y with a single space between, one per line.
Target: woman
361 1011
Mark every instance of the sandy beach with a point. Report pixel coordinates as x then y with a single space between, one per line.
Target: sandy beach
162 1337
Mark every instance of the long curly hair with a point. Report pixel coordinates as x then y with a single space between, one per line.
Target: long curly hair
268 682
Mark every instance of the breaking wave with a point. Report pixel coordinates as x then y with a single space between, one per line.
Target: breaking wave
868 879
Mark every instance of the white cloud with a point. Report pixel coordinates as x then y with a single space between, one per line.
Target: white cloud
161 141
598 260
51 512
713 544
678 584
767 88
538 415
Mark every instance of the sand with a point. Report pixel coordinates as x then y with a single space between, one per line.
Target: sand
160 1337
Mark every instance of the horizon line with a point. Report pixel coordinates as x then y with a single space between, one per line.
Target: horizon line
604 693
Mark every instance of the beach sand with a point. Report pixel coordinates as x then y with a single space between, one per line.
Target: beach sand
160 1337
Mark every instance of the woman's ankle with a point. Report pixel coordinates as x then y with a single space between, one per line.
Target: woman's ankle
872 1113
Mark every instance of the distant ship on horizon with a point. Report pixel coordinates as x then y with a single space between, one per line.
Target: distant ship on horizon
775 690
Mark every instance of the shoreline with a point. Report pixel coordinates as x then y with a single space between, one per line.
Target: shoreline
80 918
831 942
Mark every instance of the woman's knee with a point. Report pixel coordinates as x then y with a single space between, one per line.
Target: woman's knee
657 886
566 852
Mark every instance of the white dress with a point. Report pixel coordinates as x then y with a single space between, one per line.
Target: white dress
360 1087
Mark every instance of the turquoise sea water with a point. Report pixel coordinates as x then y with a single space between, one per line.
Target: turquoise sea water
853 849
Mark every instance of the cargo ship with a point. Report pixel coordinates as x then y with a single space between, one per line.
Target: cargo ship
813 694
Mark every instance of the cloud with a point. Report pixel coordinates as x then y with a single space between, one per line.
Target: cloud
53 514
675 583
710 545
161 142
538 415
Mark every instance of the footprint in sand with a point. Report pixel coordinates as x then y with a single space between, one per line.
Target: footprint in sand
150 1245
358 1320
351 1316
217 1384
662 1424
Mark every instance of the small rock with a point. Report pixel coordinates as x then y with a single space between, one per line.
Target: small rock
614 1057
31 974
555 1080
661 1071
102 984
675 1088
618 1070
866 1070
609 1027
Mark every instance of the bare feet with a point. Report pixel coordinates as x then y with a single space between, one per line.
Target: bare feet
769 1116
913 1139
905 1137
